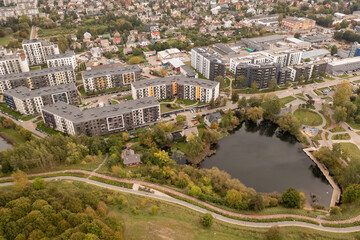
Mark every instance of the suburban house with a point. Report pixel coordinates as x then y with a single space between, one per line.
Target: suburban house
213 117
189 132
130 158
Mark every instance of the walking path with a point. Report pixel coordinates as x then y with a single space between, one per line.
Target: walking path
184 196
100 165
202 210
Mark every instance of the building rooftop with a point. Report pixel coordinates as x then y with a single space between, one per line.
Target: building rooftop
223 49
33 41
270 38
35 73
8 57
208 55
24 93
345 61
67 54
296 19
111 71
316 38
189 70
315 53
178 79
74 114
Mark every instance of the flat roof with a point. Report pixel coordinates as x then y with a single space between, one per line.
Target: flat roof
36 73
314 53
110 71
67 54
25 93
76 115
345 61
33 41
270 38
178 79
208 55
223 49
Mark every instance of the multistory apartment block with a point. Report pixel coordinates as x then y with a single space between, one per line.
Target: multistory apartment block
296 24
110 78
182 87
308 70
36 50
207 63
13 64
62 59
104 120
30 102
38 79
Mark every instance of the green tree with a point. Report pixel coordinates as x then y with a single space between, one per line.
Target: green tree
257 203
254 87
333 49
38 184
20 180
289 123
342 93
240 81
271 104
254 114
153 210
135 60
180 119
273 84
207 220
194 147
242 102
234 97
233 198
291 198
351 193
297 35
162 157
340 114
220 79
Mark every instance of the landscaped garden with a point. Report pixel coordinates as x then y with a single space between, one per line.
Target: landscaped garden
308 117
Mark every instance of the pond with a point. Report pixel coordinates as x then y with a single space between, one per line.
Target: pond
4 145
269 161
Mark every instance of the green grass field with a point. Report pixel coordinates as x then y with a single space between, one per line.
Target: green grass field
352 150
286 100
341 136
5 40
337 129
308 117
4 108
354 125
164 108
187 102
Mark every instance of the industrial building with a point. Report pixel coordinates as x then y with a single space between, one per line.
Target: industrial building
343 65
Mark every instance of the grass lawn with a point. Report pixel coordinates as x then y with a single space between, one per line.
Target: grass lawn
337 129
187 102
5 40
286 100
34 68
318 92
86 94
4 108
47 129
341 136
308 117
354 125
114 102
13 135
352 149
59 31
164 108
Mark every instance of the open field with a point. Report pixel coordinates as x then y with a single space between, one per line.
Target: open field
308 117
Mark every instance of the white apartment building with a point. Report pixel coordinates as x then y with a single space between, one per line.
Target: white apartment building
13 64
36 50
62 59
208 64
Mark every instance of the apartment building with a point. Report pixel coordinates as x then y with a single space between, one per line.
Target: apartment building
104 120
182 87
110 78
36 50
262 74
38 79
307 70
13 64
62 59
297 24
207 63
30 102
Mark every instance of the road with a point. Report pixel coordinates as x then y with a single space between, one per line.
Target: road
33 34
202 210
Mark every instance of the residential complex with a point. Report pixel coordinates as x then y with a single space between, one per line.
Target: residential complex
30 102
297 24
181 87
36 50
110 78
104 120
262 74
38 79
12 64
62 59
207 63
307 70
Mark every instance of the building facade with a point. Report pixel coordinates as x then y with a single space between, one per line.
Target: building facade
207 63
13 64
30 102
308 70
182 87
102 121
343 65
36 50
38 79
297 24
62 59
110 78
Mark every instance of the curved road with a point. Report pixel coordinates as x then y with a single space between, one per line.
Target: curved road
209 206
202 210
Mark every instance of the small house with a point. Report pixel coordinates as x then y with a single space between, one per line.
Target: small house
130 158
213 117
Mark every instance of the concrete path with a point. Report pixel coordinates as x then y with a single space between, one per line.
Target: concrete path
202 210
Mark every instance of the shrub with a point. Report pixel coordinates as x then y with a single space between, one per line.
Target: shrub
335 210
207 220
153 210
273 233
38 184
291 198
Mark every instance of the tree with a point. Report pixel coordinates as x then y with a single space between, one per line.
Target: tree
20 180
234 97
342 93
297 35
135 60
233 198
194 147
38 184
352 193
254 114
242 102
273 233
153 210
162 158
240 81
254 87
63 44
333 49
280 18
273 84
180 119
214 125
340 114
289 123
271 104
220 79
207 220
257 203
291 198
211 136
125 136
